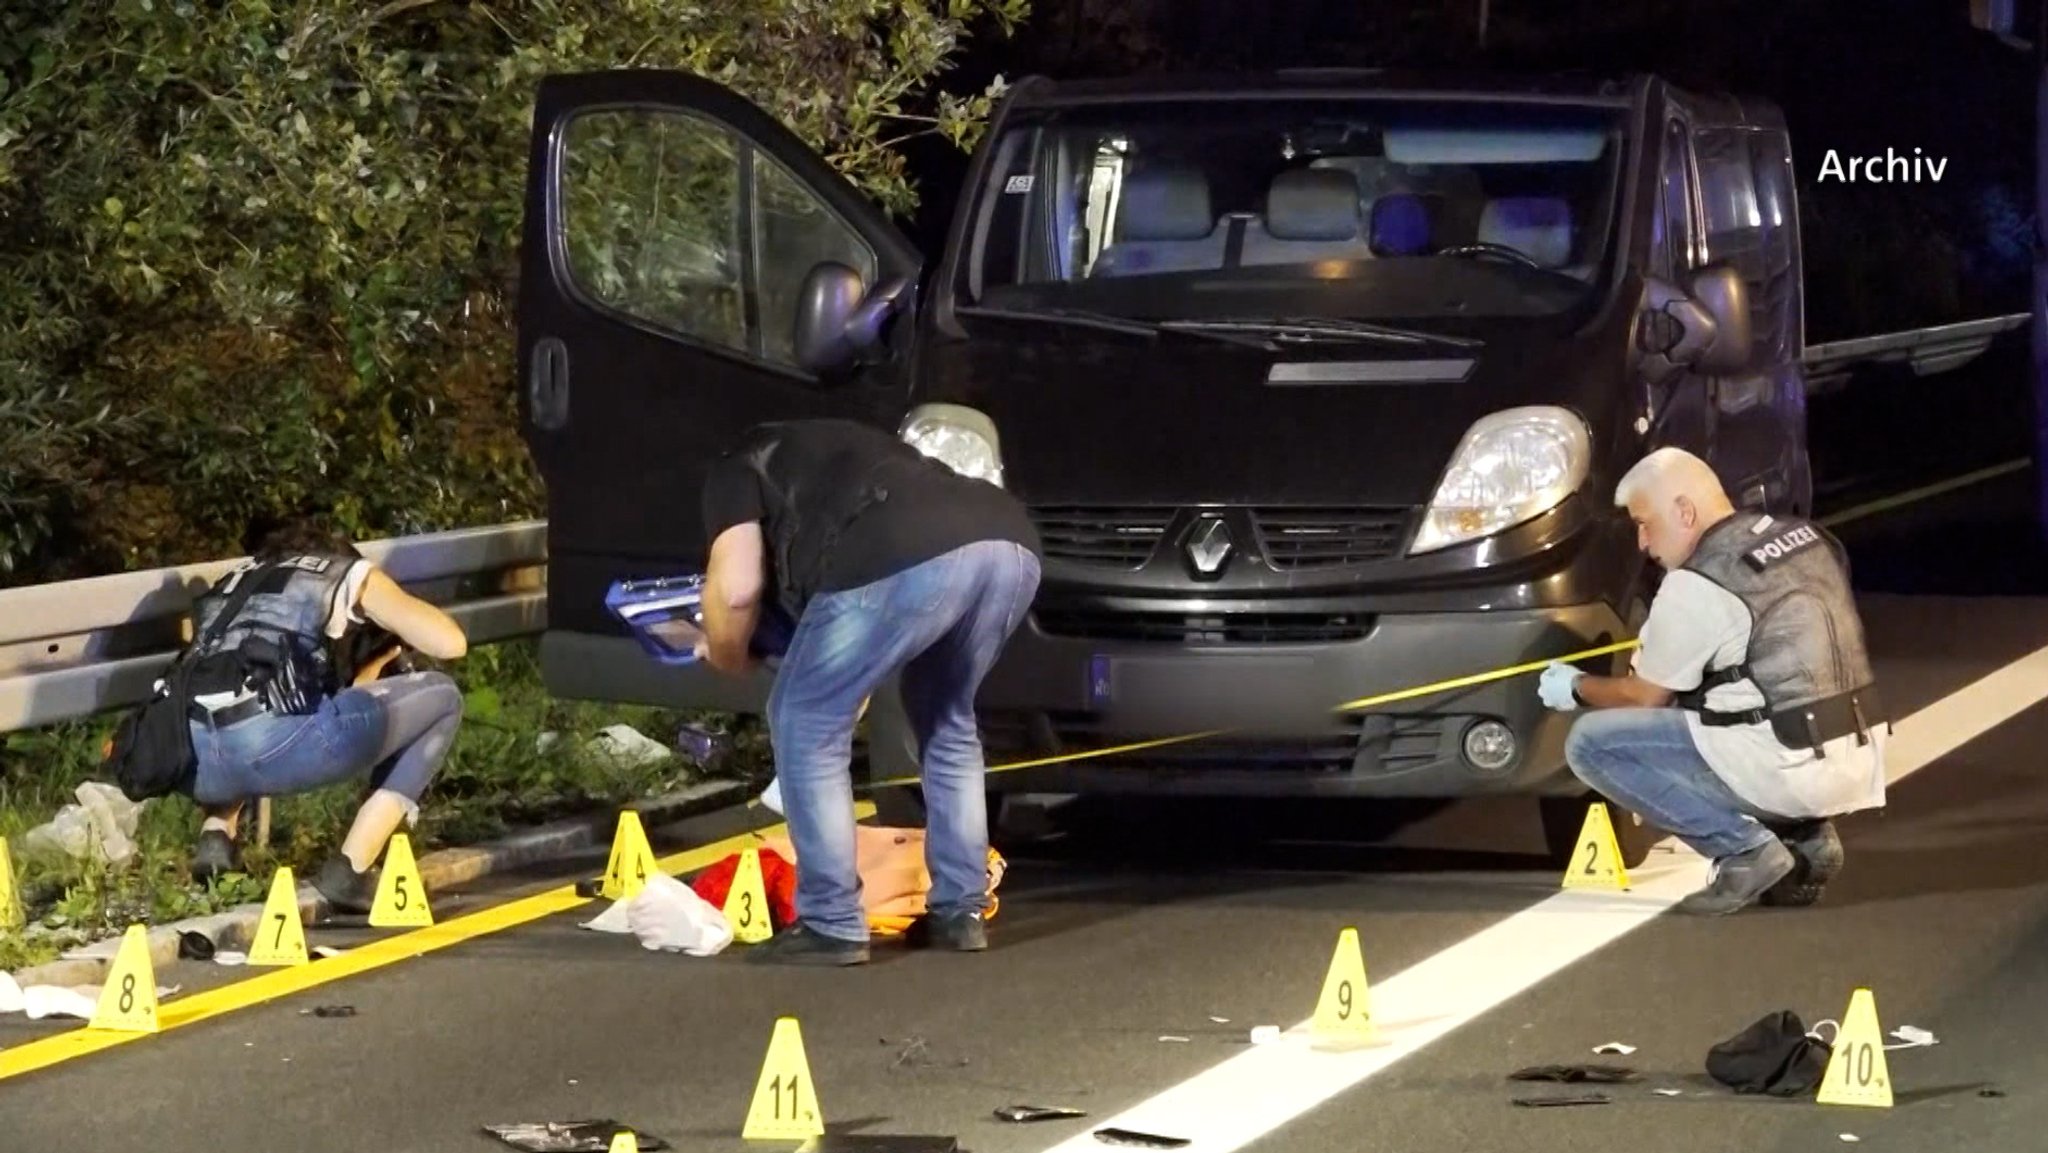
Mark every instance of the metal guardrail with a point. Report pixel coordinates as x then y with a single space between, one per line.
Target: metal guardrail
1927 350
76 648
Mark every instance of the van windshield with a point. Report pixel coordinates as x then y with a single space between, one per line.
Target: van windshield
1373 209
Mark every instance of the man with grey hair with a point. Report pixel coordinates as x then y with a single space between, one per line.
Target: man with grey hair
1749 716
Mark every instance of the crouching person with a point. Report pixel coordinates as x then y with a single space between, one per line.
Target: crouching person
276 709
1750 717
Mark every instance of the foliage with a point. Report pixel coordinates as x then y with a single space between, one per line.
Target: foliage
272 244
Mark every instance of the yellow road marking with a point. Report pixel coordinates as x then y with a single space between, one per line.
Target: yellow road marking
180 1012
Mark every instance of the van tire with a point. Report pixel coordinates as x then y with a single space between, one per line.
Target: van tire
902 807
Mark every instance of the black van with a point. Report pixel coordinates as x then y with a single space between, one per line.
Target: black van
1317 385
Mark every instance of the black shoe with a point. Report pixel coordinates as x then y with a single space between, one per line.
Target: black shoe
960 932
1741 879
804 946
346 890
214 856
1818 849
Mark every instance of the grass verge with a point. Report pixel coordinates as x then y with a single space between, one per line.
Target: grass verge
500 775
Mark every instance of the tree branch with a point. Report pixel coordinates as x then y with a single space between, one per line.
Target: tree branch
398 8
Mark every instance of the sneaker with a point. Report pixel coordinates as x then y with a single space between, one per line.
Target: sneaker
1818 849
214 856
803 945
346 890
960 932
1741 879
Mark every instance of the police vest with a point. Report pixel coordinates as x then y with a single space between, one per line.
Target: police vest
1806 652
807 508
277 643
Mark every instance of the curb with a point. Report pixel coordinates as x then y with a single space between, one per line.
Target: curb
233 929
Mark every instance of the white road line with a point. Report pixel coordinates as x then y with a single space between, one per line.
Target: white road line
1232 1104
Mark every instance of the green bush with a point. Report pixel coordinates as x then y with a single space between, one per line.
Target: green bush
259 255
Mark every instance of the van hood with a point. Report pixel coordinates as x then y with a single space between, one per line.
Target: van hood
1092 418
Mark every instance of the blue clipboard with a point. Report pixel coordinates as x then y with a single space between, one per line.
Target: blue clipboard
666 616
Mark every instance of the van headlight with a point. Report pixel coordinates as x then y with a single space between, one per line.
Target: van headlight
1511 466
961 438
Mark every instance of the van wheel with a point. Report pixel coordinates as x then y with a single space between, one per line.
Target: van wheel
899 806
902 807
1563 817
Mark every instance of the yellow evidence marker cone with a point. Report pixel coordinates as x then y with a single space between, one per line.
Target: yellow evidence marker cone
401 896
1344 1012
632 859
11 916
1856 1070
1596 863
785 1106
128 1000
624 1142
280 937
746 904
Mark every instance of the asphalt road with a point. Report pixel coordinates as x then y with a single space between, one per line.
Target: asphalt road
1146 920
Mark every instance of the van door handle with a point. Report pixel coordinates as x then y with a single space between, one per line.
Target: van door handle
547 384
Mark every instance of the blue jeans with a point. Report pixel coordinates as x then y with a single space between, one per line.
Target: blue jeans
942 623
397 731
1645 761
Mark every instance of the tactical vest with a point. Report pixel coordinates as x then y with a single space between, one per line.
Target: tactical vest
277 643
807 510
1806 652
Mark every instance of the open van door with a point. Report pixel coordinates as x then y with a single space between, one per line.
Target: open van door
672 232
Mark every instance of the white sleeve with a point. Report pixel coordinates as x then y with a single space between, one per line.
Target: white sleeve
1689 624
346 611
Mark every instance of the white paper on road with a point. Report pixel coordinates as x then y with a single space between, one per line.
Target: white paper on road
1912 1037
667 914
40 1001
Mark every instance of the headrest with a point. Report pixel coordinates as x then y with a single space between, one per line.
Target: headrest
1313 204
1540 226
1165 202
1400 224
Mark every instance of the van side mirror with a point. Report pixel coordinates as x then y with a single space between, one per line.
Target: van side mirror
1703 327
1719 289
838 320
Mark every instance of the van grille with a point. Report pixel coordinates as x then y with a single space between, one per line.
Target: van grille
1305 538
1257 628
1112 537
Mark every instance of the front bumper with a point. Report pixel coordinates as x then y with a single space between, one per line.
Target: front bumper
1051 695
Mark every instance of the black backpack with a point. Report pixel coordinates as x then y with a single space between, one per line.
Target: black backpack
151 754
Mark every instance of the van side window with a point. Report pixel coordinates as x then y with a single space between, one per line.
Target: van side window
655 226
1675 222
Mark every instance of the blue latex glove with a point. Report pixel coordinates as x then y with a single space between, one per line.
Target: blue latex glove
1555 687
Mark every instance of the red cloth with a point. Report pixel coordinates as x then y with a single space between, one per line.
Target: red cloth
776 873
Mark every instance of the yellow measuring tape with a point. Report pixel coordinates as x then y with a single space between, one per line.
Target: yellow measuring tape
1374 701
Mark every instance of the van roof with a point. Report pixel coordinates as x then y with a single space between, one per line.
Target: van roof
1575 88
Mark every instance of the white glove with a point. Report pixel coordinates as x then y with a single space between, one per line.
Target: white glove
1555 687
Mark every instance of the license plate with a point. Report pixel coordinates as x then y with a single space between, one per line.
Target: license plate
1208 693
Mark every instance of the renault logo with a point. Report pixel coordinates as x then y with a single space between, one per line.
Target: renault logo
1209 547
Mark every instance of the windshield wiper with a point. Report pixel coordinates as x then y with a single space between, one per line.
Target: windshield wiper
1313 328
1102 321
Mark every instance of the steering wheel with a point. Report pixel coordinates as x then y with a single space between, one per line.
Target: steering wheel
1488 248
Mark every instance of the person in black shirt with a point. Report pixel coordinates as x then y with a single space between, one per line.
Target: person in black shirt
887 561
